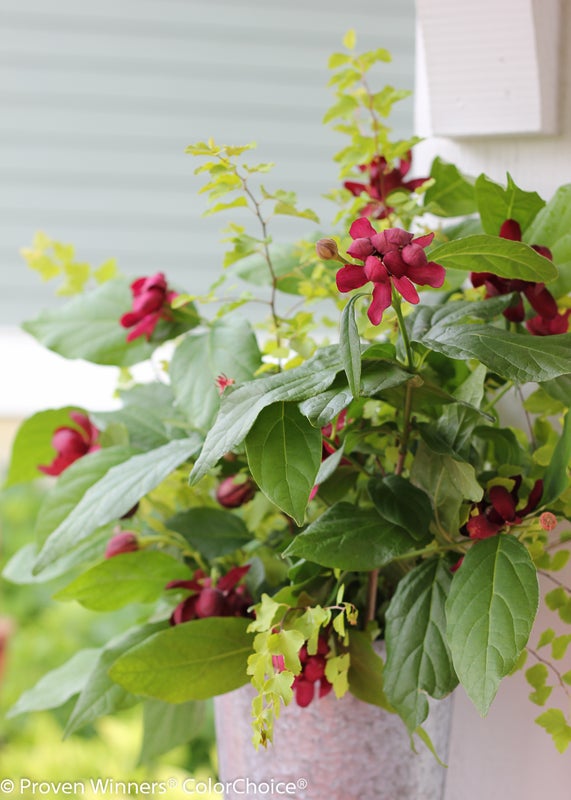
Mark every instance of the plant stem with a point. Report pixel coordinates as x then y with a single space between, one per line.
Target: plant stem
407 411
550 666
267 256
498 396
403 331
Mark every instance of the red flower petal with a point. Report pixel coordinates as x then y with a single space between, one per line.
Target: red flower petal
425 240
361 248
394 263
361 229
432 274
480 527
503 502
375 270
231 578
414 256
355 188
381 300
541 300
533 499
511 230
406 289
349 277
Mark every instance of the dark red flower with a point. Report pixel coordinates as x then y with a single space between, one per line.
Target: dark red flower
233 492
501 511
123 542
225 599
392 257
542 326
312 673
540 299
151 303
382 180
71 444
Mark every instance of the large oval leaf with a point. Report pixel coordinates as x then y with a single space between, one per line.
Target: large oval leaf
114 494
240 408
503 257
214 532
193 661
490 611
514 356
228 347
138 577
418 657
284 454
352 538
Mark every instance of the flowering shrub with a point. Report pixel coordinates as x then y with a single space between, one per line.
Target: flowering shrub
340 491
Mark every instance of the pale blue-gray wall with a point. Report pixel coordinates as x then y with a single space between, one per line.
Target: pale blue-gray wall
98 101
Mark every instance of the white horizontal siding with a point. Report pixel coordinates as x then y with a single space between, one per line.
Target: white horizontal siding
98 101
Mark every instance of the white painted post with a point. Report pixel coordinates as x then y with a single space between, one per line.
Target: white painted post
489 99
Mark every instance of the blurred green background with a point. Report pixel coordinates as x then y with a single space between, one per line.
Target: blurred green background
43 634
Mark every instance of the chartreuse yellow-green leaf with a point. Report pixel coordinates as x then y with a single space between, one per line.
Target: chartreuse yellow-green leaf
490 611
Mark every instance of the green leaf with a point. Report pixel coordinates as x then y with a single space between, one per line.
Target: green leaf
497 204
559 388
402 504
193 661
490 612
145 428
228 347
556 477
239 410
450 484
212 531
350 346
351 538
366 671
138 577
452 194
503 257
88 327
376 378
168 725
556 725
100 695
553 222
33 443
418 656
71 486
115 494
56 687
514 356
284 454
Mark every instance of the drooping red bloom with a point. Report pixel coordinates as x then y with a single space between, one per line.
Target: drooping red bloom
151 303
233 493
501 511
123 542
540 326
226 599
312 673
71 444
382 180
390 258
540 299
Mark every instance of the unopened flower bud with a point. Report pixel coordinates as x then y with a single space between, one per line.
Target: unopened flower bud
548 521
124 542
233 493
327 249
